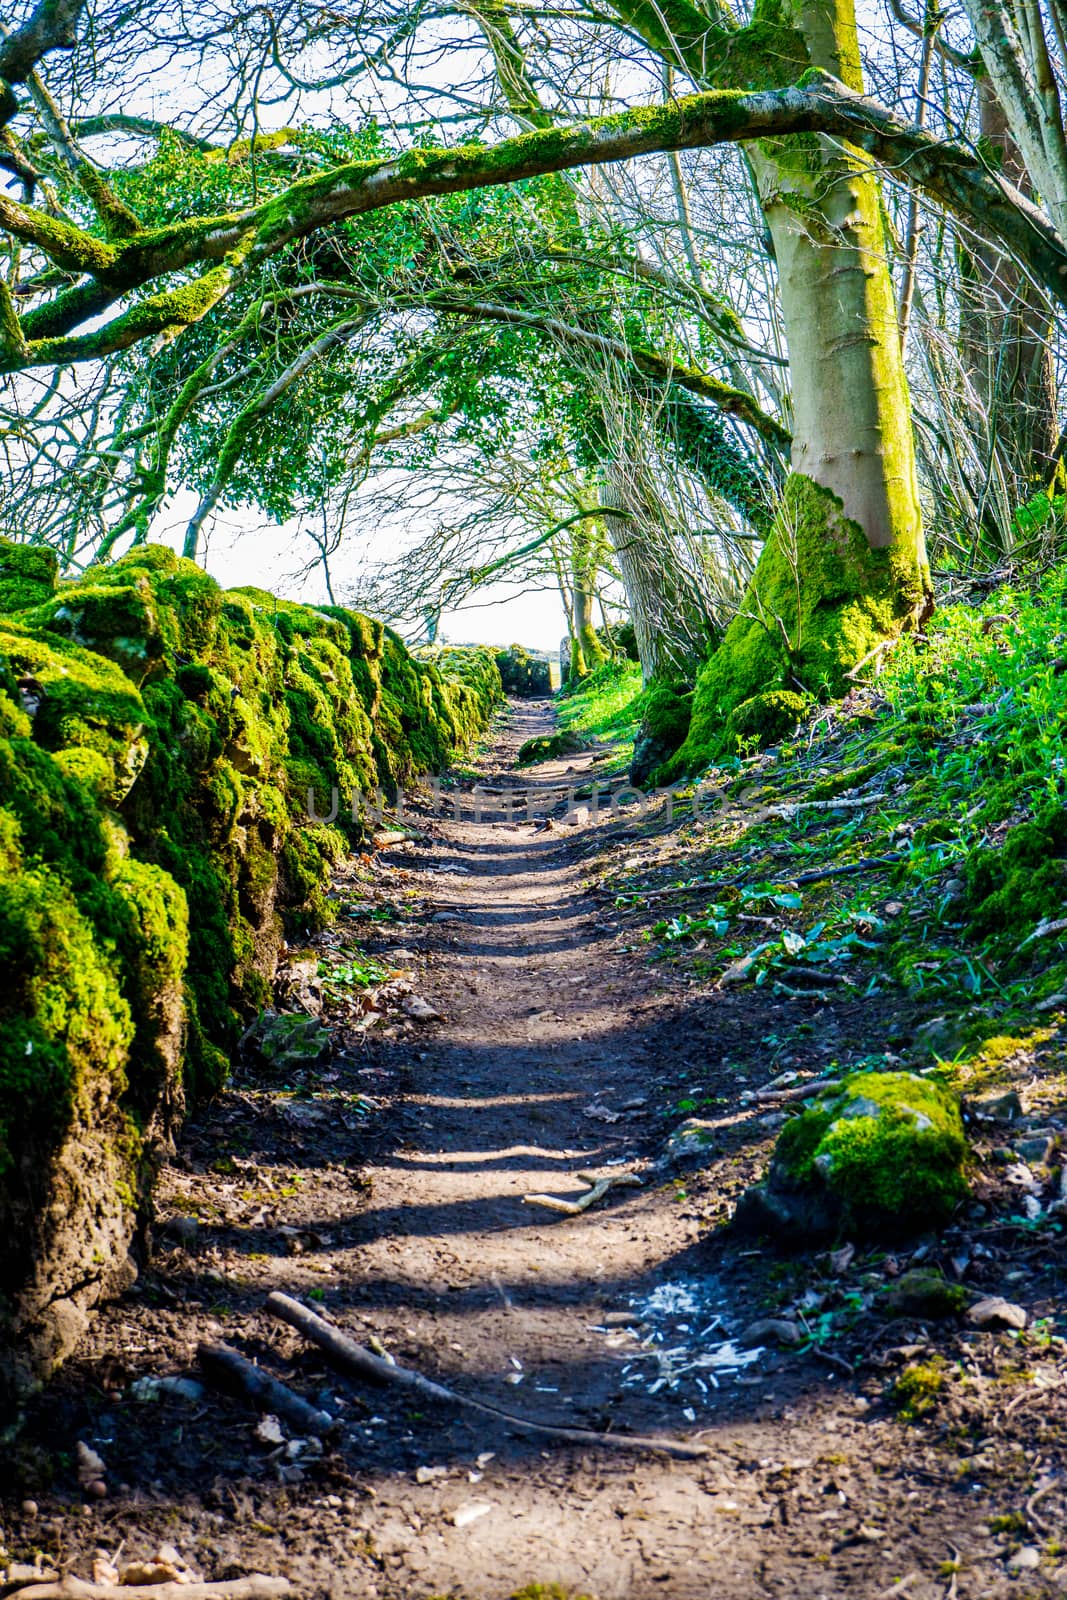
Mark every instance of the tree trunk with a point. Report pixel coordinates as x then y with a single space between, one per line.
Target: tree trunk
584 554
670 621
846 562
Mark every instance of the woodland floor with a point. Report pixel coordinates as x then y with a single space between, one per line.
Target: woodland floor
388 1192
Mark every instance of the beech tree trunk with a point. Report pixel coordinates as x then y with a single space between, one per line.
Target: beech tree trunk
845 564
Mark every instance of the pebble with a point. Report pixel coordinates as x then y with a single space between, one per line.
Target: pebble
1025 1559
29 1508
996 1313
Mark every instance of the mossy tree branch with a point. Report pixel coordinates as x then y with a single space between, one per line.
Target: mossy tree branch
950 173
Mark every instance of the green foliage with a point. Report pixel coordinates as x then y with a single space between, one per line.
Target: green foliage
605 704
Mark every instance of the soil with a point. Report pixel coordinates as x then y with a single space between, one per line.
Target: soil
387 1190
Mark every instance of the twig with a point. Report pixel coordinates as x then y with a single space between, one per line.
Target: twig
257 1587
598 1188
354 1358
789 808
883 645
228 1370
799 1091
1039 1494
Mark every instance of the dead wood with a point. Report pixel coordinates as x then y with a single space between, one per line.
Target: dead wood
230 1371
256 1587
598 1188
355 1358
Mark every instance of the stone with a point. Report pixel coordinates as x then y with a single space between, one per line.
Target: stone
998 1108
922 1292
941 1037
768 1330
996 1313
1035 1150
1026 1559
692 1140
883 1155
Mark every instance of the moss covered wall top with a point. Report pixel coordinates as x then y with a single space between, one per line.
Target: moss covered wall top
159 738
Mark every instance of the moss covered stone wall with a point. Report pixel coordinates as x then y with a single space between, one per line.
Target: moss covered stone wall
159 737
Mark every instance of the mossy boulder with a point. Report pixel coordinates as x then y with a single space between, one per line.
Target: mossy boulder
766 717
883 1156
548 747
180 770
665 715
523 673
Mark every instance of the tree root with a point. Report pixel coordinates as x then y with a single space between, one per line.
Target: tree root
355 1358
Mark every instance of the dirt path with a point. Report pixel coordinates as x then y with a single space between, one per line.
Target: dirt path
556 1054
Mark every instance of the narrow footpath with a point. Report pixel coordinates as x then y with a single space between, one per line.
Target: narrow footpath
389 1195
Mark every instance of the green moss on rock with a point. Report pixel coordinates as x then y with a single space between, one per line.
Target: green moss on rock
666 711
27 575
158 741
883 1155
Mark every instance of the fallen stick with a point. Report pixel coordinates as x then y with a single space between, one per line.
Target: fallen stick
256 1587
800 1091
354 1358
598 1188
228 1370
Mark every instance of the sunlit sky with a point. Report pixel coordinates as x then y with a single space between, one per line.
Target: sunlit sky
243 549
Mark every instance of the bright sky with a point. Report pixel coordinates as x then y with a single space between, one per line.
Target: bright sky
241 549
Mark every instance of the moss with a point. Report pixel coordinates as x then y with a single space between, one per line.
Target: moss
820 600
916 1391
766 717
522 673
1013 886
852 777
666 711
154 839
548 747
27 575
889 1149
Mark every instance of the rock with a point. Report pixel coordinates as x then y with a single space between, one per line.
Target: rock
89 1464
29 1509
1026 1559
942 1037
882 1155
420 1010
549 747
998 1108
185 1231
667 713
285 1043
922 1292
767 1330
446 916
995 1313
692 1140
149 1573
1036 1151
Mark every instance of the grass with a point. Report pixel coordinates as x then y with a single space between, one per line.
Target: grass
953 767
606 707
